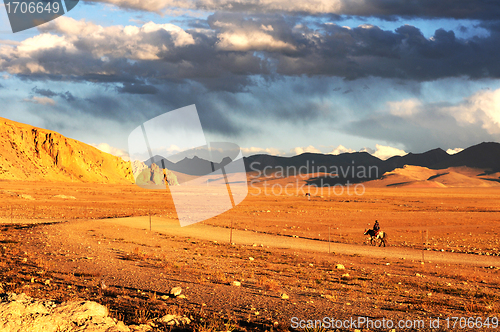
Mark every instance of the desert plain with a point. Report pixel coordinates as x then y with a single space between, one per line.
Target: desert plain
272 261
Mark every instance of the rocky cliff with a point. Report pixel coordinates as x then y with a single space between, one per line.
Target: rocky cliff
153 175
31 154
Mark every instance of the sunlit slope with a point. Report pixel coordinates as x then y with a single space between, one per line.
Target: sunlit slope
415 176
31 154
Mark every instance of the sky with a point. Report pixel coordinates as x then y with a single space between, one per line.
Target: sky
274 76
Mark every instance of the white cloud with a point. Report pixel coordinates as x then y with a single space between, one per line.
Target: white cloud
453 151
311 6
300 150
481 108
149 5
255 150
251 40
234 37
105 147
341 149
40 100
367 26
42 42
474 119
171 150
385 152
404 108
8 42
86 38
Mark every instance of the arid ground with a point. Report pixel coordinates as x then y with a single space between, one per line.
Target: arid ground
442 258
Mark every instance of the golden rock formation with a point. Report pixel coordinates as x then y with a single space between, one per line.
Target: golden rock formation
32 154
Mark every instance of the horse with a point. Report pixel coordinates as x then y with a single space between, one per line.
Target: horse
382 236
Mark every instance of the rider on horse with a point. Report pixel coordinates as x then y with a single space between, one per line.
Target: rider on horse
376 227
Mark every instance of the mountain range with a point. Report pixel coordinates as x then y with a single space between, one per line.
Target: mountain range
485 156
191 166
31 153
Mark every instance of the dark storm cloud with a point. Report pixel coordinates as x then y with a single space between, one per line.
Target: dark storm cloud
404 54
362 51
228 57
246 67
457 9
218 110
44 92
161 56
68 96
104 106
134 109
141 89
387 9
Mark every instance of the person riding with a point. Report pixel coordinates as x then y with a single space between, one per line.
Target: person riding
376 227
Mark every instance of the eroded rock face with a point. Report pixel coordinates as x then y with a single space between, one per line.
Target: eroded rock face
33 154
154 175
144 177
172 179
20 313
138 167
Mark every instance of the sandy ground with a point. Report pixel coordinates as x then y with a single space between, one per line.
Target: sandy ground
102 235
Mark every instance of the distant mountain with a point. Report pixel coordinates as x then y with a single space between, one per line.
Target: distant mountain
426 159
191 166
484 156
158 161
33 154
352 167
311 162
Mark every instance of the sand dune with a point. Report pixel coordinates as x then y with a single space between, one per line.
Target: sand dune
417 177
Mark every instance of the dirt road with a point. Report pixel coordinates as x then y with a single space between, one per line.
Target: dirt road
205 232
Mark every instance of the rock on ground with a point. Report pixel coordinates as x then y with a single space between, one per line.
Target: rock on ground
19 313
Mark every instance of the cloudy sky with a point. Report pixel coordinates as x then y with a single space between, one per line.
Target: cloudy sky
274 76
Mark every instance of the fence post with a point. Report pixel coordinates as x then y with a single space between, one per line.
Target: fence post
423 245
328 239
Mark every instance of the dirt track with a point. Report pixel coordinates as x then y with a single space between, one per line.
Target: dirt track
222 235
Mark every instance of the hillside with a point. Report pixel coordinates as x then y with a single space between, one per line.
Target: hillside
28 153
417 176
485 155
